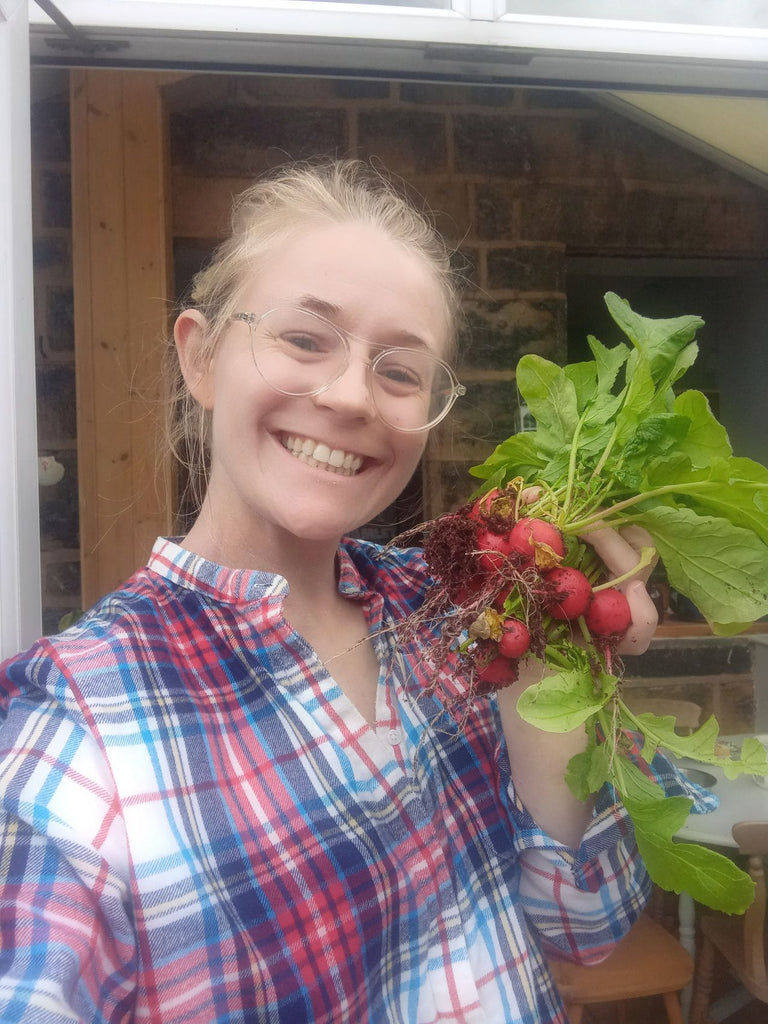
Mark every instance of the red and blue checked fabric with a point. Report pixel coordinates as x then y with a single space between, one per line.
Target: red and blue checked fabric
198 826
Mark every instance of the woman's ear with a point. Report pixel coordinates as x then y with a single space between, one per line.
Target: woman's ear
190 335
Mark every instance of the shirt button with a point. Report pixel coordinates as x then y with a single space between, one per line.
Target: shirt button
394 736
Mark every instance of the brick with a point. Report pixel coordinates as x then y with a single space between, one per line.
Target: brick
713 656
56 420
49 251
203 90
556 99
643 155
465 263
530 268
56 199
692 224
498 333
496 212
49 126
407 142
575 147
360 89
59 513
449 485
59 331
188 258
239 140
61 579
448 201
302 89
488 411
435 94
488 144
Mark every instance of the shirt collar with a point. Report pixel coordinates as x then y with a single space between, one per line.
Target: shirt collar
187 569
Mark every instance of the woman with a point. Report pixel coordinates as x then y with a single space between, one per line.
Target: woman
226 795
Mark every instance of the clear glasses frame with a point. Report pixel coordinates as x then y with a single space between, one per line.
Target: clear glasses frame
454 392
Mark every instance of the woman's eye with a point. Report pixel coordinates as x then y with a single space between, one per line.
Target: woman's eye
304 342
405 377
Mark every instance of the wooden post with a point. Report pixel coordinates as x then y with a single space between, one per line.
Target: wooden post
122 288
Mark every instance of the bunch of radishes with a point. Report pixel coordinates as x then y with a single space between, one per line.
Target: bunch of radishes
510 570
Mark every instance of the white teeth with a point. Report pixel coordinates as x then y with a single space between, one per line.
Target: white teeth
322 453
318 454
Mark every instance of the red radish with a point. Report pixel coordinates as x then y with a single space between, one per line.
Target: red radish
527 534
494 503
497 673
515 638
570 593
608 613
482 507
493 547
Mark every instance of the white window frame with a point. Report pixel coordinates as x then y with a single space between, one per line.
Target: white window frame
473 40
20 616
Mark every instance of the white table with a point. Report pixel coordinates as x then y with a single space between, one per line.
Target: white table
741 799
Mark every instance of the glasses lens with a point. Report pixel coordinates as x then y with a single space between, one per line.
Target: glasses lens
296 352
411 388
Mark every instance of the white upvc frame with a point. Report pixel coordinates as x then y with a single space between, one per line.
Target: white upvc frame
469 22
20 620
472 40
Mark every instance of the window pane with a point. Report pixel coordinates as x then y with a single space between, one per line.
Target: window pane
444 5
711 13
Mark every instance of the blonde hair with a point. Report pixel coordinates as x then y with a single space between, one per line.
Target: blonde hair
263 217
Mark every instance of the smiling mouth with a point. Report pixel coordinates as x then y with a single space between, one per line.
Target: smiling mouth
320 456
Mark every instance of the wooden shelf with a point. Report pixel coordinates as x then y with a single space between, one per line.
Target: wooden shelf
676 628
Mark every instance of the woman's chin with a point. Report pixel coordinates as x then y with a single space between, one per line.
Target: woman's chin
323 530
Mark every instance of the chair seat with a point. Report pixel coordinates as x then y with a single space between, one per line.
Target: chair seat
727 935
648 961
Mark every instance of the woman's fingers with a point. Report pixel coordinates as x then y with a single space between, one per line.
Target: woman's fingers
619 550
645 619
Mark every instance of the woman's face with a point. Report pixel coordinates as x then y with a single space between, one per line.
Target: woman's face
368 285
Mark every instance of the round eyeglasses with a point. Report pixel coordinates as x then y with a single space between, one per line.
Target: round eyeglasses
300 353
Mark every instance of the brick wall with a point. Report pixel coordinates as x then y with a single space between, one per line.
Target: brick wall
55 348
520 180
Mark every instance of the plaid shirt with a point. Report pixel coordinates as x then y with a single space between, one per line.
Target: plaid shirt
198 826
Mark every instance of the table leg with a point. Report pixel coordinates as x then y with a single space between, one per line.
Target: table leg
686 912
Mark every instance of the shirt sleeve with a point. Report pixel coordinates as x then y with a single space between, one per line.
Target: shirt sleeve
68 950
582 901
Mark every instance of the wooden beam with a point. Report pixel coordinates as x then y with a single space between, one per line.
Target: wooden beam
122 275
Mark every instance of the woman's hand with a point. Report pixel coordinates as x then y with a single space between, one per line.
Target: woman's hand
619 550
539 759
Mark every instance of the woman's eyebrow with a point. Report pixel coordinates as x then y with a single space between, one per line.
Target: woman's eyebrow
317 305
398 339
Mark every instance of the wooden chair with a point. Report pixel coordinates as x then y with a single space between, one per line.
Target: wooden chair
648 961
740 941
687 715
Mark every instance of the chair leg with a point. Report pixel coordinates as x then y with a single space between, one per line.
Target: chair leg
672 1006
574 1013
702 986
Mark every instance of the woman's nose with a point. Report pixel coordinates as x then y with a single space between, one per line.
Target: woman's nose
350 393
